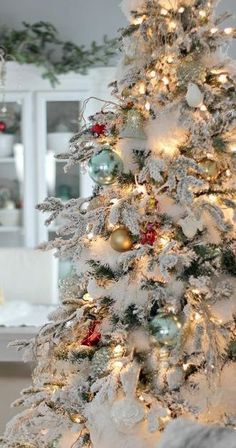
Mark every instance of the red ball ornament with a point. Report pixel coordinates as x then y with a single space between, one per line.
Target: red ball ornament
98 129
149 235
3 126
93 337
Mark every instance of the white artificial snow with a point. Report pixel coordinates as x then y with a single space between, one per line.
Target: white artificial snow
165 134
125 147
130 5
190 226
187 434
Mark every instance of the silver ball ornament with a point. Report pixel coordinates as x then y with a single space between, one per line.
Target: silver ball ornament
100 361
165 328
105 166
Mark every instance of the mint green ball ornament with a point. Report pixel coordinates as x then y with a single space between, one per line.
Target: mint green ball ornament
105 166
166 329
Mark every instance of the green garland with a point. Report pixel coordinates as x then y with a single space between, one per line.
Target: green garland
39 44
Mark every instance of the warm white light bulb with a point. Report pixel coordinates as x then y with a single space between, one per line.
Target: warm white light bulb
214 30
87 297
165 80
172 25
118 351
181 10
228 30
223 78
141 189
117 366
142 88
233 148
164 12
202 13
138 20
147 106
212 198
185 367
170 59
164 241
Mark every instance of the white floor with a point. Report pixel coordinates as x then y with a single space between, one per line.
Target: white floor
14 377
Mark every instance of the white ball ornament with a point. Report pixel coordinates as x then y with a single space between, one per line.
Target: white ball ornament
126 413
194 96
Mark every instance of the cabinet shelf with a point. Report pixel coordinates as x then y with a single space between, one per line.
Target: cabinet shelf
7 159
6 229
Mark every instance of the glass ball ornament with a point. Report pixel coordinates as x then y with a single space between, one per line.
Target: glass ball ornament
105 166
3 126
165 328
99 363
133 127
121 240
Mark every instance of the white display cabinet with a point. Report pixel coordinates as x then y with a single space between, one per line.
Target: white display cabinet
47 117
17 226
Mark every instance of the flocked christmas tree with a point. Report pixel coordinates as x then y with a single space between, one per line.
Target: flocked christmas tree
145 332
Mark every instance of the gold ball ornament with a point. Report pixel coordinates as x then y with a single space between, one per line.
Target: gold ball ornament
125 92
75 418
121 240
210 168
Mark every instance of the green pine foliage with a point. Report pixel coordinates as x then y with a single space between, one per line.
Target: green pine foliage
39 43
228 261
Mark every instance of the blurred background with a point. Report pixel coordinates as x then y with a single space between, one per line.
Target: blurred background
52 67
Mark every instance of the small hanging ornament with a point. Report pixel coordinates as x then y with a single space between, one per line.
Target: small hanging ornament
105 166
126 413
194 96
165 328
3 126
126 92
133 126
121 240
100 361
149 234
75 418
152 204
210 168
98 129
94 335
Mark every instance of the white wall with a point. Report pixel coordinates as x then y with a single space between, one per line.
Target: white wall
78 20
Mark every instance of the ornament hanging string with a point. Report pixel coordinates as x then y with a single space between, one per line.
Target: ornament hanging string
85 103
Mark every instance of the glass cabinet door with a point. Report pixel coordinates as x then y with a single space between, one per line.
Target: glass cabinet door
15 204
59 121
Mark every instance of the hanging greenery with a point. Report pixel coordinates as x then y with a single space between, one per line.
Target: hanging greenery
39 44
